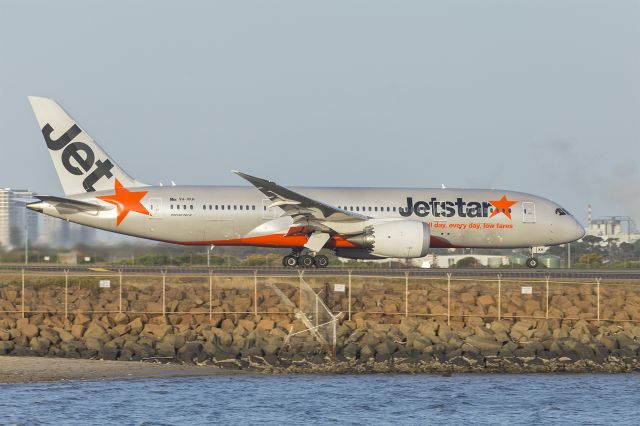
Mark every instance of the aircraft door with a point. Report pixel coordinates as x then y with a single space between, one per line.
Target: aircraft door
528 212
154 220
155 205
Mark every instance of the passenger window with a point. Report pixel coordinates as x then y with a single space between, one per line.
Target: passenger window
388 209
216 207
376 208
351 208
235 207
222 207
394 209
369 208
191 206
204 207
247 207
357 208
253 207
228 206
240 206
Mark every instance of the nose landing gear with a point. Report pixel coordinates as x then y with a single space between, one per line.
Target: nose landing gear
532 261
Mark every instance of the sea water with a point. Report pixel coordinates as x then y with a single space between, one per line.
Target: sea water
330 399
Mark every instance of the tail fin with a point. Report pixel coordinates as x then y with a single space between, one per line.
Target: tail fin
81 164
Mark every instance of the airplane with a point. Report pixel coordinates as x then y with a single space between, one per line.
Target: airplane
355 223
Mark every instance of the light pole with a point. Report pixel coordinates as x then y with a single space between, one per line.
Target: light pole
26 240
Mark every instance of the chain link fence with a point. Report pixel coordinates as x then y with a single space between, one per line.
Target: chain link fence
201 297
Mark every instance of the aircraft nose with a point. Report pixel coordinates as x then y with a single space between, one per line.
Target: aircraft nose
574 231
579 230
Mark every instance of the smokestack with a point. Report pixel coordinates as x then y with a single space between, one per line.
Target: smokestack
588 216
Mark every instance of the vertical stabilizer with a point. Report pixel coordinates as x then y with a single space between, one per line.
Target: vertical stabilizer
81 164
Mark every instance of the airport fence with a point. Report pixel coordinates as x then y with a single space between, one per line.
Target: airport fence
209 296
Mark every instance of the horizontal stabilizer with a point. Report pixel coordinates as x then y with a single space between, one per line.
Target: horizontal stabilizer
67 204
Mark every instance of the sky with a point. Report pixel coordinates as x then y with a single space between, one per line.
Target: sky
535 96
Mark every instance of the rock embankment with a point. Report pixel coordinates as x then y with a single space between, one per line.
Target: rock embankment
363 344
236 324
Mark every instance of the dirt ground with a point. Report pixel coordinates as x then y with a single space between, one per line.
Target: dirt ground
32 369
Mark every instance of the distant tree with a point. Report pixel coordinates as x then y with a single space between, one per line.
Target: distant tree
270 259
591 259
468 262
591 239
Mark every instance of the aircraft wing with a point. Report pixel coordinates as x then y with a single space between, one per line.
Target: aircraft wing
298 205
71 204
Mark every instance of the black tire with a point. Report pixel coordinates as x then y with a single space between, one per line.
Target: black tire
289 261
321 261
306 261
532 262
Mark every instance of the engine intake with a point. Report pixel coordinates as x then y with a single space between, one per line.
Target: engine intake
402 238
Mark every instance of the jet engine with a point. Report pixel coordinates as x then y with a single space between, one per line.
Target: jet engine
400 238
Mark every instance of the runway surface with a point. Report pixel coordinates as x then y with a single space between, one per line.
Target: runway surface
541 273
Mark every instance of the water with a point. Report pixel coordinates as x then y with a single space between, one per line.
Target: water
302 399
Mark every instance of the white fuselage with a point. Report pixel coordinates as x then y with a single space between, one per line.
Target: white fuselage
217 215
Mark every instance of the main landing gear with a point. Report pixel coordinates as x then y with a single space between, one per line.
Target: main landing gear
305 260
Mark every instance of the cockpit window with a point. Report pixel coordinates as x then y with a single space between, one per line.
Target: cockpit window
561 212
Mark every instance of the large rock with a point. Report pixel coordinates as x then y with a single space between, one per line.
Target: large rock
50 334
483 343
165 349
189 352
65 336
136 326
6 347
265 324
157 330
97 331
28 330
109 351
93 344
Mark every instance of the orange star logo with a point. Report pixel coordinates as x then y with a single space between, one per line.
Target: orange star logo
502 206
126 201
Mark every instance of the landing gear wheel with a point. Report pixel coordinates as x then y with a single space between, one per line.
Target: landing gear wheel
306 261
532 262
321 261
289 261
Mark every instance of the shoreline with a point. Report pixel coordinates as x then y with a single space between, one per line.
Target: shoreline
33 369
27 369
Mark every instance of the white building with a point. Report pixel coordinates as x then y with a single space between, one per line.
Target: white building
59 233
621 228
450 260
5 226
16 221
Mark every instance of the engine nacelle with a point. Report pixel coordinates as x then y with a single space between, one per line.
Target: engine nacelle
400 238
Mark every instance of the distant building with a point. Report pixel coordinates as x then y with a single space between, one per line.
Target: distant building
15 220
59 233
621 228
450 260
5 225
